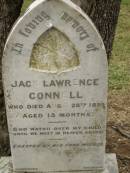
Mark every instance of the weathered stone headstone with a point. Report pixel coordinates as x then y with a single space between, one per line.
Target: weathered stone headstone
55 82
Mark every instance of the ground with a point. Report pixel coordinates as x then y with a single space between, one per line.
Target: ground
118 131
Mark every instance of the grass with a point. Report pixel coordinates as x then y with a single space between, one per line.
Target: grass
125 2
25 5
119 67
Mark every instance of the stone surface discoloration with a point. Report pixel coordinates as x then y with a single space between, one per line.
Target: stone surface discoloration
5 165
110 165
54 52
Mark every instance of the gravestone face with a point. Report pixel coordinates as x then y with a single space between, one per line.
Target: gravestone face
55 82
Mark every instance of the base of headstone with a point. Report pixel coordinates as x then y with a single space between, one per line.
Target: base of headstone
111 165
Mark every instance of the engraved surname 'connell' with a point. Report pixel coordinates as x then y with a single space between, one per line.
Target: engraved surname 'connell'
54 95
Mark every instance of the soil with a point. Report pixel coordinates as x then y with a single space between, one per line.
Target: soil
118 131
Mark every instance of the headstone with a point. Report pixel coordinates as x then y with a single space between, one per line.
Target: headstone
55 83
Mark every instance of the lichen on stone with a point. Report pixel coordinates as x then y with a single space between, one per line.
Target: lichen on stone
54 52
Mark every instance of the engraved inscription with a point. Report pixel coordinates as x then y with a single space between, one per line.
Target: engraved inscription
55 88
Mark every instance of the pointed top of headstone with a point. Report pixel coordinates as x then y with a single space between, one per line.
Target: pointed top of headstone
55 82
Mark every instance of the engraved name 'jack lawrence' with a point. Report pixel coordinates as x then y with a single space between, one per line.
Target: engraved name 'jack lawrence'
58 83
